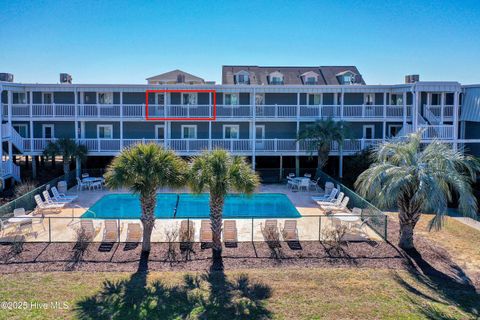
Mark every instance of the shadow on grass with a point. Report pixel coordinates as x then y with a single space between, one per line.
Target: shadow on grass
455 289
207 296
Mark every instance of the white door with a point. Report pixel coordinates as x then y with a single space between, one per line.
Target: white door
159 132
259 137
48 131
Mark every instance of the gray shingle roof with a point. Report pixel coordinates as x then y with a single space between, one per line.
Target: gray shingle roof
173 76
292 75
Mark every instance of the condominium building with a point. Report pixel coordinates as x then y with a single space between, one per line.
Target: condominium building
256 112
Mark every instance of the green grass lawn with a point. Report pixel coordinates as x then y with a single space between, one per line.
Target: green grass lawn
276 293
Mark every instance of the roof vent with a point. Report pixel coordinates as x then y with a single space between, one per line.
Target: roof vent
7 77
412 78
65 78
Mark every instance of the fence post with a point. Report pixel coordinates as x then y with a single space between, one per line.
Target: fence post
386 224
49 230
319 228
252 230
118 227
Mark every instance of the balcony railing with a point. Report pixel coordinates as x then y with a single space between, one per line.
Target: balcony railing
205 111
241 146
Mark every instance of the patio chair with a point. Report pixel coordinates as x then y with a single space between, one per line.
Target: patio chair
81 185
110 232
304 184
187 231
230 231
289 231
49 200
96 185
314 184
134 233
270 230
334 202
291 182
88 228
57 196
85 175
206 234
327 197
341 207
43 206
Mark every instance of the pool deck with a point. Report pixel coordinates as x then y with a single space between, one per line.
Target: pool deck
311 225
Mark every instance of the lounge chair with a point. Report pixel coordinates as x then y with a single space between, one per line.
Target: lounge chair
110 232
49 200
187 231
206 234
88 228
43 206
341 207
270 230
335 202
57 196
134 233
290 232
327 197
230 234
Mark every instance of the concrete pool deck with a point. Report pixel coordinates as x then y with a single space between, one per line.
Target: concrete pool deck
312 225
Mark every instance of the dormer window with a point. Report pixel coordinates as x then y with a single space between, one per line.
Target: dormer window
242 77
310 78
275 78
346 77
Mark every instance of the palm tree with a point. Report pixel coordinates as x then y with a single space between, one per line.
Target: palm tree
319 137
419 179
219 172
143 169
68 149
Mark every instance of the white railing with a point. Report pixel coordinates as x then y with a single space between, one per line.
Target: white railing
15 137
6 170
437 132
206 111
436 110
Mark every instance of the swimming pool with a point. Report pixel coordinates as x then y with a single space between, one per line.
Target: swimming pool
260 205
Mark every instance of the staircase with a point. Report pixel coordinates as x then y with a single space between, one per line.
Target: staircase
15 137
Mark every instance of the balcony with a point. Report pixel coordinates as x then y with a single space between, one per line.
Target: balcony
137 111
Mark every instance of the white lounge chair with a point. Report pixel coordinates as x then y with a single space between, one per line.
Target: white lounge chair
334 202
57 196
328 197
341 207
49 200
41 206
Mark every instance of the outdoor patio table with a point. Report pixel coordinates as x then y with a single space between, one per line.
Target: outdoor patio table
20 219
92 179
348 220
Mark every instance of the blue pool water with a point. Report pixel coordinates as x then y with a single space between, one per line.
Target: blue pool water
127 206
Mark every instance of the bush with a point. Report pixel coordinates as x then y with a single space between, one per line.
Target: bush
24 188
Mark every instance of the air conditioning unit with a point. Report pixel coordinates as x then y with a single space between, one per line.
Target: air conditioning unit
65 78
412 78
7 77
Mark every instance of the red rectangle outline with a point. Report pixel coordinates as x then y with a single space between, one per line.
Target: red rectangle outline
181 119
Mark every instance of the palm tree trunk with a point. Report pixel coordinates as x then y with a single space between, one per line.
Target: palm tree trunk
148 202
66 166
322 158
216 212
408 220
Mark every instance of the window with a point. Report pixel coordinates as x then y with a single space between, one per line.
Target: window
231 131
396 99
189 98
394 130
159 98
22 129
105 131
48 131
369 131
105 98
242 78
276 80
47 98
314 99
369 99
159 132
231 99
19 98
189 132
259 132
347 79
259 99
311 80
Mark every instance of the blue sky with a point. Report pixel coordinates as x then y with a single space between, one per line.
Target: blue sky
127 41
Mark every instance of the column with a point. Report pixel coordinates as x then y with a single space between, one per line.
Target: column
31 122
75 101
342 100
384 124
404 100
280 176
121 120
210 121
456 101
78 167
10 150
253 102
442 107
34 167
1 119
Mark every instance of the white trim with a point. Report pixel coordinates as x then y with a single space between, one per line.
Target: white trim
157 126
104 126
44 126
194 126
225 126
263 131
368 126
